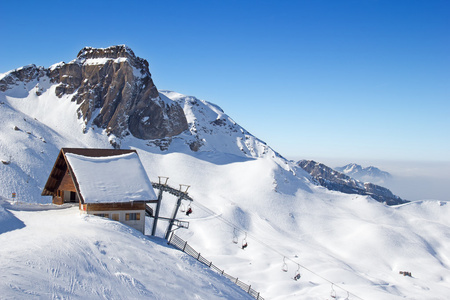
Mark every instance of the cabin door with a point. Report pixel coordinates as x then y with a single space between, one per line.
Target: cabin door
73 197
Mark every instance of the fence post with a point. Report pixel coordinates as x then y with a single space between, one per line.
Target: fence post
210 264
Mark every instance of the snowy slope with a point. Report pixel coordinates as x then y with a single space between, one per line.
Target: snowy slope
352 241
60 254
240 187
32 131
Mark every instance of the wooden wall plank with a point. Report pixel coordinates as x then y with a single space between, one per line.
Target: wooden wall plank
114 206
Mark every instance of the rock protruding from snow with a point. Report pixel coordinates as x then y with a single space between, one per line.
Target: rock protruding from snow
114 90
336 181
117 93
24 74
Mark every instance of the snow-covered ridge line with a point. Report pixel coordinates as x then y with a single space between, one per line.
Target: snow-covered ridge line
212 130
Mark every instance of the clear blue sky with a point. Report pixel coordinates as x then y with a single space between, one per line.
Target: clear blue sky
357 79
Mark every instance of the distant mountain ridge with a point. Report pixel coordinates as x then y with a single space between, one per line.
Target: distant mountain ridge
368 174
337 181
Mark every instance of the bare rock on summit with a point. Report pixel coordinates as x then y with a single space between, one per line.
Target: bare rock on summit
116 92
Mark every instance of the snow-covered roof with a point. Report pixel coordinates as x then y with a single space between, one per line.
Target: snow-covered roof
111 179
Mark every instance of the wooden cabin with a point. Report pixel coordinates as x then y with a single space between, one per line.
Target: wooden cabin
110 183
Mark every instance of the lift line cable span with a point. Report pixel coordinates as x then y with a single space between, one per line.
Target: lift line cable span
231 224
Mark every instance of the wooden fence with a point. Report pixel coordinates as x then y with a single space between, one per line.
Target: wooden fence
179 243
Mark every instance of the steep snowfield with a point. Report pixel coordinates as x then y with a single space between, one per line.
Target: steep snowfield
60 254
353 241
32 131
241 187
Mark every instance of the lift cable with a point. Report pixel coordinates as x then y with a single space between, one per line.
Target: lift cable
237 228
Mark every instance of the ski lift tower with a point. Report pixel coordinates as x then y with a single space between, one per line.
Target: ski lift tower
181 194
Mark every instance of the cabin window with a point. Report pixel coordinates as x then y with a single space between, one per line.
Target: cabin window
102 215
58 193
115 217
132 216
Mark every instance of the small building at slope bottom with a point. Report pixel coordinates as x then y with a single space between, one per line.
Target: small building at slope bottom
110 183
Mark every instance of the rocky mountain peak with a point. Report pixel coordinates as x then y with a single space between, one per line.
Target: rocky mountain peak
114 90
114 53
110 52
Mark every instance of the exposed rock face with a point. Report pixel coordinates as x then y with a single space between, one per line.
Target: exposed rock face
336 181
24 74
115 91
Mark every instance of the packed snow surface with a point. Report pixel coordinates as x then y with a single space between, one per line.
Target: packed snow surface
56 253
113 179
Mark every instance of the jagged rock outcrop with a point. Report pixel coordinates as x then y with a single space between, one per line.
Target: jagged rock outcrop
336 181
24 74
115 91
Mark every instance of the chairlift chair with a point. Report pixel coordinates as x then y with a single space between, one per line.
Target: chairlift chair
285 266
333 292
235 237
244 242
297 275
182 207
188 210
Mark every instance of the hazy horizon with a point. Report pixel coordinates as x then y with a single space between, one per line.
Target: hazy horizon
411 180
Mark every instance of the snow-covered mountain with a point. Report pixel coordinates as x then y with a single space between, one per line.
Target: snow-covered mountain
243 190
337 181
368 174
